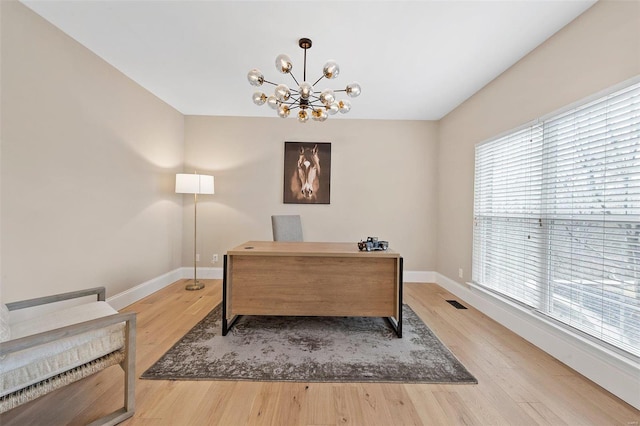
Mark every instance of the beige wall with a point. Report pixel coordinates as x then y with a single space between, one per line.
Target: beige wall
382 183
88 164
597 50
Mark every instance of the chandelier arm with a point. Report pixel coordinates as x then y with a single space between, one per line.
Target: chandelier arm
294 78
267 81
321 77
341 90
292 101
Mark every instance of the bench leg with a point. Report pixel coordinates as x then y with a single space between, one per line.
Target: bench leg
129 367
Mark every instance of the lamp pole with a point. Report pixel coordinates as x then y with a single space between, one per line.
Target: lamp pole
195 285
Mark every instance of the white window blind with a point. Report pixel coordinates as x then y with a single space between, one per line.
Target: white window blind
557 218
507 211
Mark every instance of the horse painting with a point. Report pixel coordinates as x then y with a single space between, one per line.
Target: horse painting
306 181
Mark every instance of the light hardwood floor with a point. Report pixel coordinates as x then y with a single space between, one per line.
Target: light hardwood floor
518 383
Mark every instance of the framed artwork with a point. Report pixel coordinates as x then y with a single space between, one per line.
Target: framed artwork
307 173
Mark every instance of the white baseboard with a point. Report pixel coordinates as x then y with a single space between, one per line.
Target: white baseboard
419 277
204 273
608 369
143 290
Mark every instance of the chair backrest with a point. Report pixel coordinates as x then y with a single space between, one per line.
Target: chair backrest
286 228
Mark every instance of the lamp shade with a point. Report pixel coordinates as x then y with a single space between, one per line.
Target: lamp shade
194 184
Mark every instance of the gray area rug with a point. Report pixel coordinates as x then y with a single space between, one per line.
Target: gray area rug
310 349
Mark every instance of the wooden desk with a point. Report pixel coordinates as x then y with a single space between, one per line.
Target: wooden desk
311 279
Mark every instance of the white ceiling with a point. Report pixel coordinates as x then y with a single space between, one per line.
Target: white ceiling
415 60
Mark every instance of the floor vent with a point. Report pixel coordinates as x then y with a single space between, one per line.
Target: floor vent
456 304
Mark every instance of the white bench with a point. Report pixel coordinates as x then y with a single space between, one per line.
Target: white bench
48 351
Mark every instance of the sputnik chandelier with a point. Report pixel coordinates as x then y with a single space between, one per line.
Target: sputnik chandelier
311 103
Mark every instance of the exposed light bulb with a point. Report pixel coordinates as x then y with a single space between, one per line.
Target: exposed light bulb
255 77
306 90
344 106
282 92
283 111
331 69
284 64
259 98
353 90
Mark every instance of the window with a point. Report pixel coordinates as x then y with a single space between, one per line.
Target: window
557 218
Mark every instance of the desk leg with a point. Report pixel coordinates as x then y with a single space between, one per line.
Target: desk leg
400 296
396 323
226 325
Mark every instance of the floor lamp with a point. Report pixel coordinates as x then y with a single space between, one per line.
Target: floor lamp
194 184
